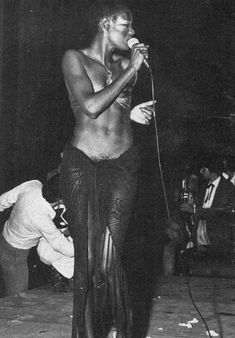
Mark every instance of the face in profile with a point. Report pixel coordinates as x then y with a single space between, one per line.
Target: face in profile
120 31
205 173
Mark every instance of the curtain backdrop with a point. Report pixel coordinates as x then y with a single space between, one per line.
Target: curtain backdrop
34 112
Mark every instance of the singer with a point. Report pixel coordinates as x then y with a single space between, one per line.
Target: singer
100 169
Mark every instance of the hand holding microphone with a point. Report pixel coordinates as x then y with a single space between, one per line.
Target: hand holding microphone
133 44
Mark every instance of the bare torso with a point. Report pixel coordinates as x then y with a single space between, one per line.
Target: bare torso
108 135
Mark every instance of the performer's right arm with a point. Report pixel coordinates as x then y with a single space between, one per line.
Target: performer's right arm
95 103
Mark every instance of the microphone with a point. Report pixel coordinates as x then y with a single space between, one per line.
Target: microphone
133 41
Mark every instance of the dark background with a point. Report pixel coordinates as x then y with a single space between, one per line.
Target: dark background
192 56
191 52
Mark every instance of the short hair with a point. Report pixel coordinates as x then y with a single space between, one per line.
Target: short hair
214 163
99 10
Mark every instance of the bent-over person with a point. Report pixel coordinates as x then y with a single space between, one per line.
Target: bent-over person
31 218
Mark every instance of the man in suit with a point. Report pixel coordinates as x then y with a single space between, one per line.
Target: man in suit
216 198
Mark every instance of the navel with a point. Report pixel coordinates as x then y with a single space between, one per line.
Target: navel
106 130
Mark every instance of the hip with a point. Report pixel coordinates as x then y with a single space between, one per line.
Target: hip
11 254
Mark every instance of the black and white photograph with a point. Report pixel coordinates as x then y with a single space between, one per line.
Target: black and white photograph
117 168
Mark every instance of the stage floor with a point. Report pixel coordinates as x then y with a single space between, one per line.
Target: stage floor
42 313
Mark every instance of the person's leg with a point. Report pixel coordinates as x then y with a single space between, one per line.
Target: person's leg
10 277
15 268
110 198
21 274
89 315
120 191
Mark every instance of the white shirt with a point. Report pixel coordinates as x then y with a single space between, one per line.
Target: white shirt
62 263
32 218
225 175
232 180
208 201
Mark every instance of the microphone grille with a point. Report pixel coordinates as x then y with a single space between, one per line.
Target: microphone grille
131 42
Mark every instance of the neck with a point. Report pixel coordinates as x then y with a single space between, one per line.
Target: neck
102 50
104 57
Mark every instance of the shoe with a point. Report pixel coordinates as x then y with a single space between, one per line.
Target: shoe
60 286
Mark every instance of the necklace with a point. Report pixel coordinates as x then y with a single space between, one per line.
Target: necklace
109 74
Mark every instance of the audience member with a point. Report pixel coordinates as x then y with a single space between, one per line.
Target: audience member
181 221
185 196
186 187
215 195
31 219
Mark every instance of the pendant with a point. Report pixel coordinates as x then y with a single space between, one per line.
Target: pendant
109 76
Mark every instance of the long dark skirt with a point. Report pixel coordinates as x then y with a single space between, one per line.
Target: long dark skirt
99 197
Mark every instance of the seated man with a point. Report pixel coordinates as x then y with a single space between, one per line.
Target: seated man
31 219
215 196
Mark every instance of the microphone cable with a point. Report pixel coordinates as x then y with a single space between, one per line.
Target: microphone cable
165 197
158 146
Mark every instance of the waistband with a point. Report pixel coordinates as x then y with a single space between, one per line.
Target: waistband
133 151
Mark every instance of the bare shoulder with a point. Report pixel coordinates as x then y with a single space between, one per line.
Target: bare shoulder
73 60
